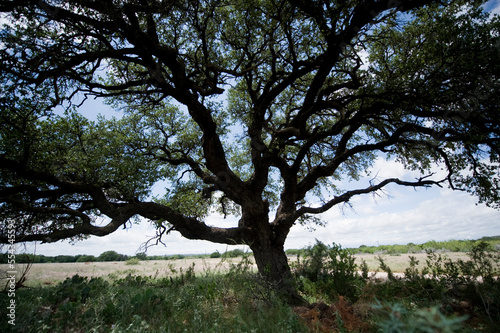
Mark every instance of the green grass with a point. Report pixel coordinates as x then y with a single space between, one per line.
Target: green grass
438 295
210 303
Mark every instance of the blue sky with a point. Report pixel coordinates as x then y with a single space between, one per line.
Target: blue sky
399 216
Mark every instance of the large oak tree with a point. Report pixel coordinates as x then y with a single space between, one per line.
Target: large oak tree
257 108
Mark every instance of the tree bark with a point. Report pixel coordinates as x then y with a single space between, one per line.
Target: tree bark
272 264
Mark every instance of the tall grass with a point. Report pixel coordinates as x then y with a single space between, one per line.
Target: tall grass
440 296
187 303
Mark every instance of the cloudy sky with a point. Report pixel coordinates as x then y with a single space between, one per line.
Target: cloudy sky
399 216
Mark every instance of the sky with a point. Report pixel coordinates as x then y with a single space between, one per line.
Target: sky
399 216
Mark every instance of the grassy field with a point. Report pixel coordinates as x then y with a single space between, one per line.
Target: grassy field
52 273
440 294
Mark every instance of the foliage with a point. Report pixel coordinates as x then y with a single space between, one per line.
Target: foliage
111 256
470 287
215 254
132 261
328 270
398 319
141 256
209 303
442 296
86 258
240 107
293 252
233 253
450 245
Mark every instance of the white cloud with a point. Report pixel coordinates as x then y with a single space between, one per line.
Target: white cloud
493 7
445 215
5 19
399 215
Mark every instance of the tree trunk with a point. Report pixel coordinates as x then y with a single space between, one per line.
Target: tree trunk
272 264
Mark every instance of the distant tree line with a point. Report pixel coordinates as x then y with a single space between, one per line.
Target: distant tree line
40 258
112 256
450 246
445 246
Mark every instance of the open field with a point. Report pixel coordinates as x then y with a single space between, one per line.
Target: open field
51 273
223 295
398 263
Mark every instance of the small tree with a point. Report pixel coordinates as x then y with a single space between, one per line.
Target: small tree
215 254
141 256
256 108
111 256
86 258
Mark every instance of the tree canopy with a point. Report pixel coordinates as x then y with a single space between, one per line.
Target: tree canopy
257 108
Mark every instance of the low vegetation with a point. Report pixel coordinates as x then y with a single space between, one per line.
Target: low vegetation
443 296
445 246
440 295
448 246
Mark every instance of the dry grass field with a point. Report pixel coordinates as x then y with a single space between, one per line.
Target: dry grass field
398 263
51 273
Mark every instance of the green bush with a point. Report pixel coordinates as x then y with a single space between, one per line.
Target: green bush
396 318
86 258
64 258
367 249
233 253
175 257
292 252
141 256
475 280
215 254
463 287
132 261
112 256
329 271
451 245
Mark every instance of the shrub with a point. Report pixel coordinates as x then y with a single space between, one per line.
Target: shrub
477 279
234 253
215 254
86 258
367 249
395 318
292 252
331 271
141 256
64 258
132 261
111 256
175 257
463 287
